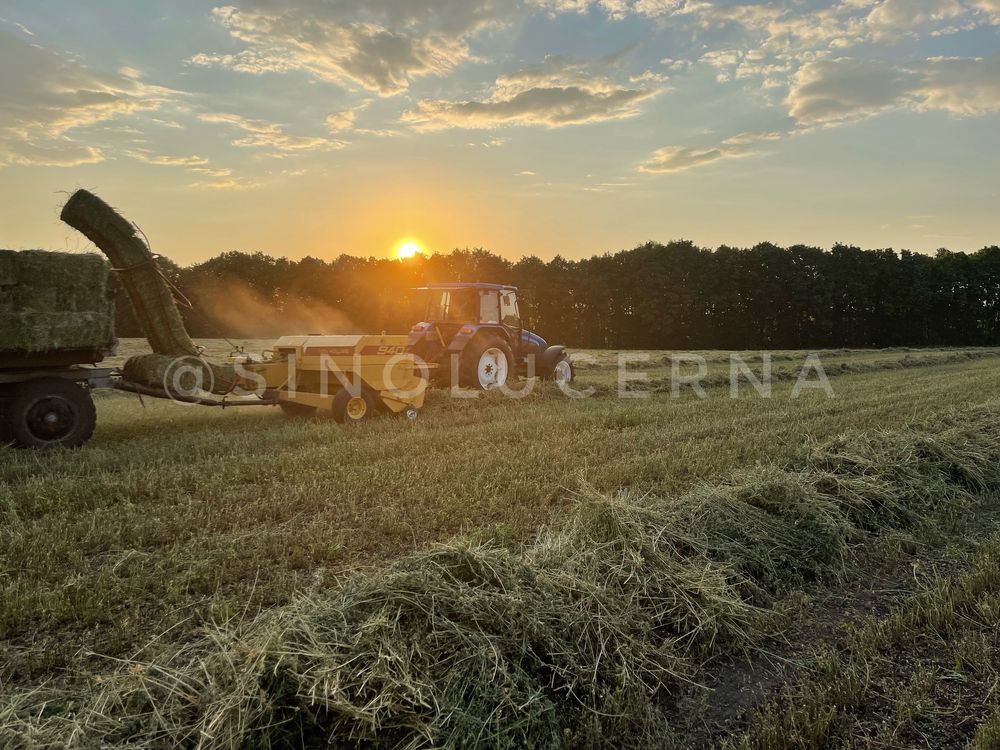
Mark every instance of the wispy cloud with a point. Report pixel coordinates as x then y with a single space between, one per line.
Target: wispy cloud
683 158
340 121
381 46
168 161
557 93
46 97
271 136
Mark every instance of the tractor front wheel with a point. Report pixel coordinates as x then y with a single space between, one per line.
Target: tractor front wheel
562 371
486 364
351 408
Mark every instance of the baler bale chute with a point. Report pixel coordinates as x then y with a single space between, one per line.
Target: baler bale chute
148 292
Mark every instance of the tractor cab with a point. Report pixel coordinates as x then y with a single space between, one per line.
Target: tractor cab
480 304
473 332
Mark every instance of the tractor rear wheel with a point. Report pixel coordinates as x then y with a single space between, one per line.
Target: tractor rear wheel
486 364
349 408
50 413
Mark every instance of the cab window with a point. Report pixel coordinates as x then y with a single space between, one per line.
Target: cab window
489 308
508 310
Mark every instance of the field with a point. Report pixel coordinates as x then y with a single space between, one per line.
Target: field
177 521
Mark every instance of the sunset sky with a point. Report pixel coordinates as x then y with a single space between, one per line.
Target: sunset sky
541 127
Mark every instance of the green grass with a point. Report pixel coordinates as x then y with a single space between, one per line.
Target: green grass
176 516
585 637
925 674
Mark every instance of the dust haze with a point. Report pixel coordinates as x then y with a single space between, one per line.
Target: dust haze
242 311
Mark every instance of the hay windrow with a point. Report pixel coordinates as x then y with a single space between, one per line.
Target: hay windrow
51 301
584 638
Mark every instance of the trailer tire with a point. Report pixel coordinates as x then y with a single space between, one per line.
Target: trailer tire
50 413
349 408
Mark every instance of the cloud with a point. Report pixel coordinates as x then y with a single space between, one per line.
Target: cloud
339 121
614 9
554 94
267 135
380 45
168 161
682 158
59 152
211 177
844 89
893 17
990 8
45 96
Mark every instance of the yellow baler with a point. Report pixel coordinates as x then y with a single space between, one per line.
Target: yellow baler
351 376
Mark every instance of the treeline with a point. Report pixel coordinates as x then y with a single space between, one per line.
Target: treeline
672 296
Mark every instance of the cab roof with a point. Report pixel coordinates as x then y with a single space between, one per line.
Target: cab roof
468 285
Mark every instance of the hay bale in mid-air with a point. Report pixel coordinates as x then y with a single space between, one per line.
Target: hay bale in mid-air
52 301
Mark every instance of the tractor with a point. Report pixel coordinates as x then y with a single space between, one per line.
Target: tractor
472 333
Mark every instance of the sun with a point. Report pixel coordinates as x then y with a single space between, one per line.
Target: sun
409 248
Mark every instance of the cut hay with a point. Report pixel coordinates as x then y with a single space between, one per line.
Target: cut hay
583 639
54 301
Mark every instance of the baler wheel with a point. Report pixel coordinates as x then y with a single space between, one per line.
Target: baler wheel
349 408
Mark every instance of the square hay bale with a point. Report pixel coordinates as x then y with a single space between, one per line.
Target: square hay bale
54 301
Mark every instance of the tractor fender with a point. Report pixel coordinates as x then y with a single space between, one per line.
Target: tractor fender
468 332
548 358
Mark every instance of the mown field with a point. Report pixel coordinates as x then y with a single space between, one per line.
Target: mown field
177 518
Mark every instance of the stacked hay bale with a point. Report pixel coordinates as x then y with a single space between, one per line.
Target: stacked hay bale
54 302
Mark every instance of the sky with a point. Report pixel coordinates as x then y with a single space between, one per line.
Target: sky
527 127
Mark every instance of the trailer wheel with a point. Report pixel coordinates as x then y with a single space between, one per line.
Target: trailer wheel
354 409
50 413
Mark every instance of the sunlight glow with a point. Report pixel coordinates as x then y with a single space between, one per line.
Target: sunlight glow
409 248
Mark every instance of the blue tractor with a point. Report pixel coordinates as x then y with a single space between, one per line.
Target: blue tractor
473 333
